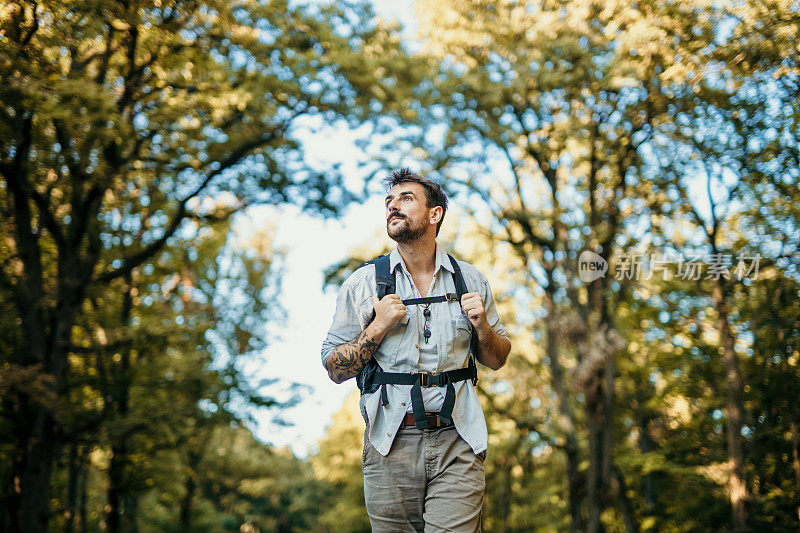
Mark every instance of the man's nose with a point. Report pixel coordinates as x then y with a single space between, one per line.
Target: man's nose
393 205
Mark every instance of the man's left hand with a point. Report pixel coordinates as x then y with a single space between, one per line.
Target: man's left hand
472 304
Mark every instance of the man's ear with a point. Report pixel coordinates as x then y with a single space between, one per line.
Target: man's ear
435 214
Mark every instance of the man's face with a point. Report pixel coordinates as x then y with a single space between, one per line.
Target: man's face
407 214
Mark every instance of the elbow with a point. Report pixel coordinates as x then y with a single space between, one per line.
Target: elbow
499 363
502 356
495 363
334 376
329 369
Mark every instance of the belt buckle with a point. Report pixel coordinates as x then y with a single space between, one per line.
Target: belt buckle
451 297
425 379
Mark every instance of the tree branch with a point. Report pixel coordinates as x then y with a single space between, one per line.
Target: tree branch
47 217
233 157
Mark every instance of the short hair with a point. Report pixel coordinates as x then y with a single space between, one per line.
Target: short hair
435 196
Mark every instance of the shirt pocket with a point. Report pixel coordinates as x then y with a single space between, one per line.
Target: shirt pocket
392 342
463 327
462 333
389 348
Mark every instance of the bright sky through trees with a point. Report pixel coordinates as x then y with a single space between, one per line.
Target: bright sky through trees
311 245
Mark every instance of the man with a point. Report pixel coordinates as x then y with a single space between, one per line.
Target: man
426 436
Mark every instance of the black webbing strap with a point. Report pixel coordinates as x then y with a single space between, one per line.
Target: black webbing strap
425 379
449 297
385 282
446 411
461 289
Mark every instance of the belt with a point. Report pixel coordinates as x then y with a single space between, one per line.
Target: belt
377 378
434 420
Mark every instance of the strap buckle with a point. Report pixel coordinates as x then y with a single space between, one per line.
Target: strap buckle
425 379
451 297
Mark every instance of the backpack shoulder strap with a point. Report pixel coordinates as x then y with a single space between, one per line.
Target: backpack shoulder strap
384 280
458 278
461 289
384 284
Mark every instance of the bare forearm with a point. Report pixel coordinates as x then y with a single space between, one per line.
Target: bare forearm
492 348
346 360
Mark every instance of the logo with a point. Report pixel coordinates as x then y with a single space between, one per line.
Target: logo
591 266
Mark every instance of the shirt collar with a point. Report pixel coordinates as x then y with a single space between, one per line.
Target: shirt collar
442 261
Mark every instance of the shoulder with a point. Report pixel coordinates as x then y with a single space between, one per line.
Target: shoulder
361 283
361 276
473 277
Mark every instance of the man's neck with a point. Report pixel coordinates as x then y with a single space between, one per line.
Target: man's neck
419 256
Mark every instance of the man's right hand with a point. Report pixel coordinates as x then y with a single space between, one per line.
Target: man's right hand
388 311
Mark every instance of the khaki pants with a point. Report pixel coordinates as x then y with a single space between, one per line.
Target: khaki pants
431 480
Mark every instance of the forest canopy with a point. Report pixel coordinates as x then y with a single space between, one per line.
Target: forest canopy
135 136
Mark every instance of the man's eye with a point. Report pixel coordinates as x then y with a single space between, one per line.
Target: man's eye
407 198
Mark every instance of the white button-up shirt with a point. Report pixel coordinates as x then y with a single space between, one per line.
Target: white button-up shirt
399 351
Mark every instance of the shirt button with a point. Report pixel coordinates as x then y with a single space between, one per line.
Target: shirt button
403 404
388 434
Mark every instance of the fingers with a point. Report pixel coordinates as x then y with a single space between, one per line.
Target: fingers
470 299
387 300
389 310
390 302
472 304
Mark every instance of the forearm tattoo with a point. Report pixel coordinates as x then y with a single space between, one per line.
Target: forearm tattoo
347 360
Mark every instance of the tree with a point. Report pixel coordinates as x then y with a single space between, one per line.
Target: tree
564 95
574 98
737 136
121 124
338 464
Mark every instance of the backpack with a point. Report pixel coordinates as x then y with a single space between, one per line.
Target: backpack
372 377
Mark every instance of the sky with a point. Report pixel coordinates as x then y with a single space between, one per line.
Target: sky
311 244
295 355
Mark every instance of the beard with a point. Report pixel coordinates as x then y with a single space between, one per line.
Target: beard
406 230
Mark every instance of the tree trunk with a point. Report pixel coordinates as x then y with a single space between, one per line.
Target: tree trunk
118 468
191 487
796 459
34 494
594 481
735 410
115 486
82 512
567 417
646 446
574 482
45 440
620 489
22 435
612 478
73 475
596 398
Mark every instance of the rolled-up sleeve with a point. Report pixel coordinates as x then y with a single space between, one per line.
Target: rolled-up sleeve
347 321
491 309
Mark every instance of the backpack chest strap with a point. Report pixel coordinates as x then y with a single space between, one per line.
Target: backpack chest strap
449 297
